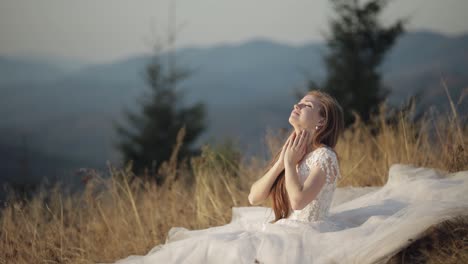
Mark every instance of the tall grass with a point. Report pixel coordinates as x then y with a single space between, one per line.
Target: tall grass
119 214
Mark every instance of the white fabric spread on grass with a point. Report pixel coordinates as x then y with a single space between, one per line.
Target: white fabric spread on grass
347 225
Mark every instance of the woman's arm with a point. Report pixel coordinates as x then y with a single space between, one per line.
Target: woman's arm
260 190
301 195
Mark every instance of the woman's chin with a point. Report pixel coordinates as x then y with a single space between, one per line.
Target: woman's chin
292 120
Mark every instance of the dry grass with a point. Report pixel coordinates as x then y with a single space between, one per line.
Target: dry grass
121 214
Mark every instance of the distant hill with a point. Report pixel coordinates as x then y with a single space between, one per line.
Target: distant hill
67 111
23 70
419 60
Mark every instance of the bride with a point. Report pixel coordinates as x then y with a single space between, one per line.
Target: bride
308 189
309 221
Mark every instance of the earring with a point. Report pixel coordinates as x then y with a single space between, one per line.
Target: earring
316 127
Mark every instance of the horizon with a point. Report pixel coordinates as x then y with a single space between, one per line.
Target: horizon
102 32
195 46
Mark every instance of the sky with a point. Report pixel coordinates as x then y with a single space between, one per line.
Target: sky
100 31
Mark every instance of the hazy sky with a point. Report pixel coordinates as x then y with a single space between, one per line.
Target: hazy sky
107 30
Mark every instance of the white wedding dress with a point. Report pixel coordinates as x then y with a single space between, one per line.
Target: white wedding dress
342 225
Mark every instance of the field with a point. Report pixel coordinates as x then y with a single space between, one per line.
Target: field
119 214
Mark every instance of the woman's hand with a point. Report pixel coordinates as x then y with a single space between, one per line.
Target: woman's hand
296 148
280 160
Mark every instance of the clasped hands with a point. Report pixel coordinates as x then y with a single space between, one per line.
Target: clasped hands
294 149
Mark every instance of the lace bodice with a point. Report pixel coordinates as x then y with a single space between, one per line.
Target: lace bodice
318 209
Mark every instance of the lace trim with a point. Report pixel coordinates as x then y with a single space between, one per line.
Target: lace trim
326 159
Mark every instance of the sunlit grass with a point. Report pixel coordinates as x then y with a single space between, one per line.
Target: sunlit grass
119 214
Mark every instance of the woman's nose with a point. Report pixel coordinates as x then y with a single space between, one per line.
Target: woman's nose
296 107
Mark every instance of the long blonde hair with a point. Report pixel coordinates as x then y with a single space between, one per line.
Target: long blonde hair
327 135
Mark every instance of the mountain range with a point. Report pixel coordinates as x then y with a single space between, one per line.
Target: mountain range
57 115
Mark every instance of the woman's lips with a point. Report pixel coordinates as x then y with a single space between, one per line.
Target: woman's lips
294 112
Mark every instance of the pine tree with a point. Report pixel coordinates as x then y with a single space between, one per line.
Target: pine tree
357 45
164 122
154 133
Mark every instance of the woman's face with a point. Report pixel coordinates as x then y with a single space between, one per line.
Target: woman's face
305 114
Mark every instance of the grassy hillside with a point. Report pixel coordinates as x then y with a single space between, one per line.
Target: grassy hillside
119 214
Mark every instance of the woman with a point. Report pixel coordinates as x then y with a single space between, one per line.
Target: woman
318 122
368 227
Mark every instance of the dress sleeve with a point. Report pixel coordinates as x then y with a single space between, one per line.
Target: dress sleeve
326 160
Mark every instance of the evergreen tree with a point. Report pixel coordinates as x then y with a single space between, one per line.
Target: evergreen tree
154 133
165 130
357 45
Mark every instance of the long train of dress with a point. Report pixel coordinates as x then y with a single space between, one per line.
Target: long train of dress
364 225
